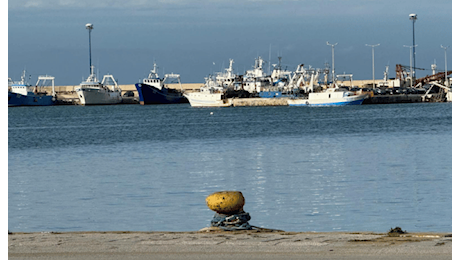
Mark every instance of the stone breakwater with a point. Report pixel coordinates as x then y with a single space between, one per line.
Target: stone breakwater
242 102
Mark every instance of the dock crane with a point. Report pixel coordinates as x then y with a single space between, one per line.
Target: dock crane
403 71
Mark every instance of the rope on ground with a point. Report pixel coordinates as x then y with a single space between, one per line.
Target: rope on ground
237 221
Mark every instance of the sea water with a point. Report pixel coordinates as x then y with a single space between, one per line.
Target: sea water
150 168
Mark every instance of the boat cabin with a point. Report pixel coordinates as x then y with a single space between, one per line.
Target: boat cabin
20 89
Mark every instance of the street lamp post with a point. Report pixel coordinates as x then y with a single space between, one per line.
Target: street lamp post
445 63
89 26
333 67
373 71
410 58
413 18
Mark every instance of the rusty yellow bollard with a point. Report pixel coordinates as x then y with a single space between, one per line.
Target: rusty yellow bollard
229 215
226 202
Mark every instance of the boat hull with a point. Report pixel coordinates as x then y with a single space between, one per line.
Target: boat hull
350 100
151 95
15 99
344 101
198 99
98 96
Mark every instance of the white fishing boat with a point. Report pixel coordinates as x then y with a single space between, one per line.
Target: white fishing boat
329 97
210 95
280 77
255 81
227 78
93 92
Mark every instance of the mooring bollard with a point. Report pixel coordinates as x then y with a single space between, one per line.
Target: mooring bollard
228 206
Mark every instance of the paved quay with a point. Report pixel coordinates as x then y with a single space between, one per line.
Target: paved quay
212 244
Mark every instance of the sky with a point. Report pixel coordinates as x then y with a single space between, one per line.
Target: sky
196 38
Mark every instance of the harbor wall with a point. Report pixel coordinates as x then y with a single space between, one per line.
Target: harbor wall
259 102
391 99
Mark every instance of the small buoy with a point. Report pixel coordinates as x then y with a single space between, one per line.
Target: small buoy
225 202
212 113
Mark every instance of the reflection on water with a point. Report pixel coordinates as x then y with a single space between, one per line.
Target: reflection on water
366 168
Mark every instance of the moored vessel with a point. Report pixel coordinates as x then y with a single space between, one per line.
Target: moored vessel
154 90
21 93
93 92
210 95
329 97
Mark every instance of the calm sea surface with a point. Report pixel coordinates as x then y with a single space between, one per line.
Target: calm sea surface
150 168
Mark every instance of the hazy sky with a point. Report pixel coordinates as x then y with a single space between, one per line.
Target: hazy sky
189 37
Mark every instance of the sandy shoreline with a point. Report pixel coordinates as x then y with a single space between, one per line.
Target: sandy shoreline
228 245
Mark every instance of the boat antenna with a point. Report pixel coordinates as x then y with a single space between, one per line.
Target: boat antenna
269 58
89 26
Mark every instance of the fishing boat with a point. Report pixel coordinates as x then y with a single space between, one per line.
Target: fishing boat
93 92
329 97
21 93
210 95
154 90
280 86
276 85
255 80
227 78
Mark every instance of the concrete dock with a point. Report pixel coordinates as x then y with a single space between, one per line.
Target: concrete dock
390 99
211 244
259 102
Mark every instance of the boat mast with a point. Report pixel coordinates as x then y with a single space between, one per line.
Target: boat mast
333 67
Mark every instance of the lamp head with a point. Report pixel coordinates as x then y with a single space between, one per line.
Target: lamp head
89 26
413 16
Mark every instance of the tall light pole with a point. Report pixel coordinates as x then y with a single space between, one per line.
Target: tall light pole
445 64
89 26
413 17
411 68
373 71
333 67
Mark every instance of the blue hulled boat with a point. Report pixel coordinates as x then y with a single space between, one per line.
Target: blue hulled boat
153 90
20 93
